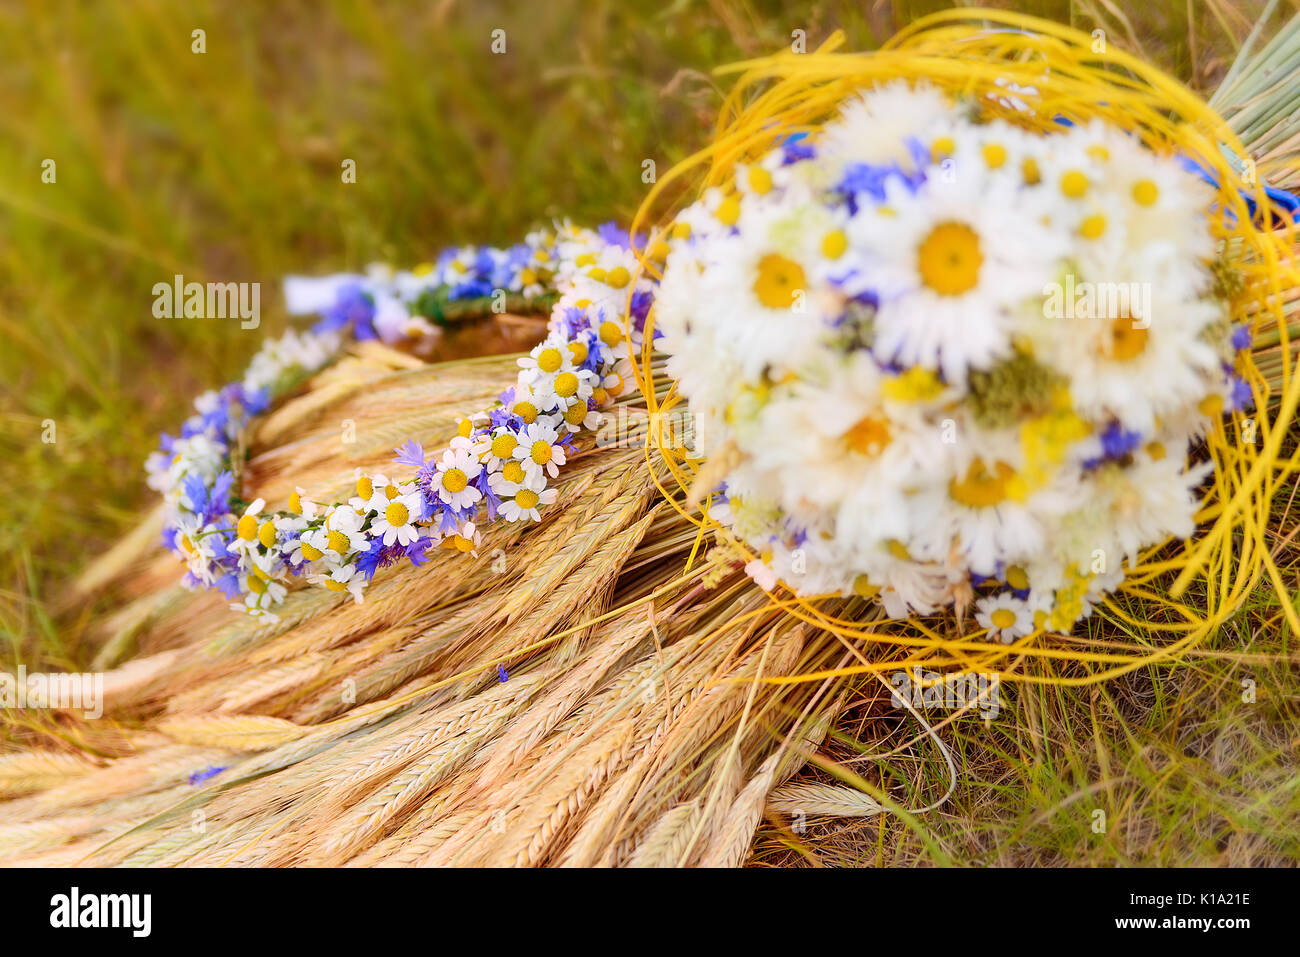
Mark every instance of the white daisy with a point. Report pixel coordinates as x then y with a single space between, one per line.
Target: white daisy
465 540
523 507
397 522
540 450
1006 617
344 578
495 447
248 529
456 470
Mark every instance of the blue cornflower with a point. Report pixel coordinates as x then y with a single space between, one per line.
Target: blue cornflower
355 307
478 288
795 148
198 777
1116 442
1240 396
410 453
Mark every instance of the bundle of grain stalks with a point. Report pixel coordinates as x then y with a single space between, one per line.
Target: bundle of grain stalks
607 686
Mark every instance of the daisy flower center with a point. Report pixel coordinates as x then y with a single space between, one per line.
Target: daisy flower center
365 487
295 503
949 259
333 585
566 384
1093 226
338 542
728 211
1145 192
397 515
1074 184
187 544
256 585
834 243
453 480
1127 341
778 280
578 352
576 414
541 453
247 528
1003 618
266 534
526 498
868 436
310 552
503 445
526 411
982 488
513 472
862 586
549 360
610 333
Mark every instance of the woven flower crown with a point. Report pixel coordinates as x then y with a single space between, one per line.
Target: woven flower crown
499 466
957 323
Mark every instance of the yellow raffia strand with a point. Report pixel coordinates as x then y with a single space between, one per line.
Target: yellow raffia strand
975 55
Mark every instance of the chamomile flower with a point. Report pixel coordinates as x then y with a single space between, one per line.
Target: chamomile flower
397 522
301 551
1006 617
495 447
581 417
875 125
248 528
509 480
347 522
262 592
458 468
952 267
545 361
466 539
563 390
364 492
611 332
344 579
540 450
523 507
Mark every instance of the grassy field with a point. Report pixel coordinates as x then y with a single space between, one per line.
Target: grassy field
225 165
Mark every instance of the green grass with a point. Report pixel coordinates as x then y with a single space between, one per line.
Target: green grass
225 166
